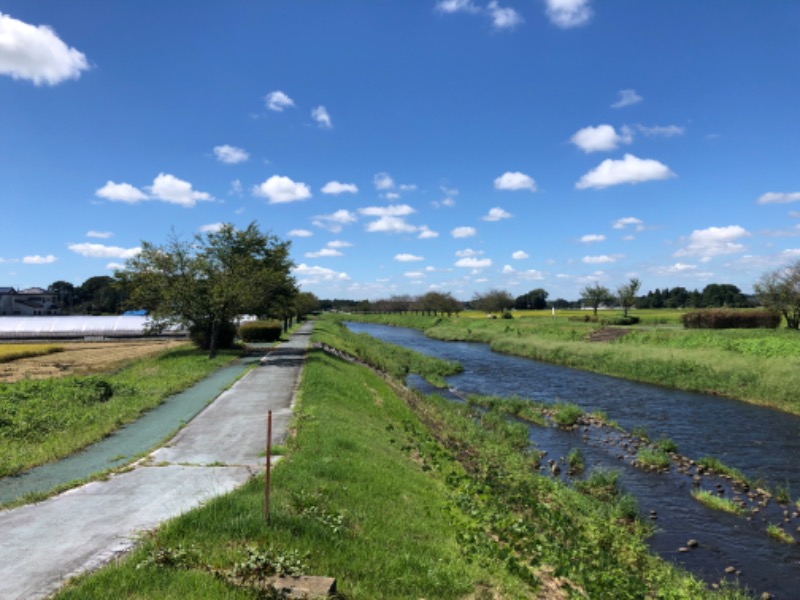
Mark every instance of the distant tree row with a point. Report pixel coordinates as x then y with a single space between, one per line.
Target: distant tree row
96 296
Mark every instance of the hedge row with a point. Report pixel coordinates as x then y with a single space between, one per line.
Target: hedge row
731 319
261 331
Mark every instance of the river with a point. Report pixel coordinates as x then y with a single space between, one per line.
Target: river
762 443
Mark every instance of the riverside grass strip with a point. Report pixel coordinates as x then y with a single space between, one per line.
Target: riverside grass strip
12 352
44 420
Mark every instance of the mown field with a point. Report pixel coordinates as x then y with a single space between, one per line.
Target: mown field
757 366
399 497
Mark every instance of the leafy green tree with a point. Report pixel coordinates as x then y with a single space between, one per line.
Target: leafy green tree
493 301
99 295
439 302
535 300
207 283
723 294
627 294
306 303
66 295
595 295
779 290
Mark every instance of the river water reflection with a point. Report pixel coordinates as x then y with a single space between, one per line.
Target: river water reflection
762 443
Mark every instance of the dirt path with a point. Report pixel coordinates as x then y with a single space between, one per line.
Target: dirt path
80 358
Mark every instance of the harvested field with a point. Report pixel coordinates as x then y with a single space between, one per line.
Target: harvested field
80 358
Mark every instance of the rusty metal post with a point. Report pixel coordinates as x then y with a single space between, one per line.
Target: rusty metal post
269 465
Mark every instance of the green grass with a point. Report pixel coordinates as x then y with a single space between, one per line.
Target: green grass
43 420
652 458
777 533
717 466
717 503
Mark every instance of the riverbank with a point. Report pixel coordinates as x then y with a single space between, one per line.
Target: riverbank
755 366
397 497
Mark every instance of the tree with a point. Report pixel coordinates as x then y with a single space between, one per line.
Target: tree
99 295
595 295
535 299
723 294
207 283
493 301
439 302
779 290
65 293
305 303
627 294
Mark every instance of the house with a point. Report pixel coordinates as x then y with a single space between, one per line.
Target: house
28 302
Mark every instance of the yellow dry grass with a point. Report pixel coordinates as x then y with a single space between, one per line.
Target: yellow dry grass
79 358
11 352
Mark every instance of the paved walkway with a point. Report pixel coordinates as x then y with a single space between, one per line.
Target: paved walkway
44 544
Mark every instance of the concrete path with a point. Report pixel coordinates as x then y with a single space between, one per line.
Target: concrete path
44 544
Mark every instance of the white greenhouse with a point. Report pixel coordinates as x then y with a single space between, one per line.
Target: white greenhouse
76 327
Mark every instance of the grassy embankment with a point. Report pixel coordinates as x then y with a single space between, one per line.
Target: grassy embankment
400 497
757 366
44 420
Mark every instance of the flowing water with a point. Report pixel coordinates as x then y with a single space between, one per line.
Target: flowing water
762 443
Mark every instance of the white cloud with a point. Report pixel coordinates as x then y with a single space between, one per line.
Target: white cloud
520 255
299 233
391 195
336 188
454 6
467 252
630 169
321 116
236 188
277 101
121 192
407 187
661 131
625 221
680 267
103 235
531 274
335 222
599 260
714 241
383 181
170 189
414 274
39 260
447 202
425 233
102 251
210 228
114 266
514 181
474 263
37 53
407 258
339 244
593 237
281 189
393 210
627 98
569 13
462 232
503 18
601 138
390 224
496 214
508 269
324 253
230 155
778 198
311 274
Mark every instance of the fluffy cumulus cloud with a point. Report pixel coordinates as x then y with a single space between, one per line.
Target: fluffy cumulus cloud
210 228
626 98
37 54
103 251
628 170
39 260
426 233
599 260
467 252
335 222
569 13
324 253
390 224
530 274
277 101
779 198
463 232
336 188
454 6
680 268
625 221
278 189
503 17
393 210
601 138
121 192
520 255
496 214
230 155
300 233
311 274
170 189
407 258
714 241
321 116
383 181
514 180
593 237
474 263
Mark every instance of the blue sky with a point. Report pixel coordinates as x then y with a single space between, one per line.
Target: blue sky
407 145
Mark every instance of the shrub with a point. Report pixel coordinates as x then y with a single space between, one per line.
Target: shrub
201 335
621 321
261 331
731 319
